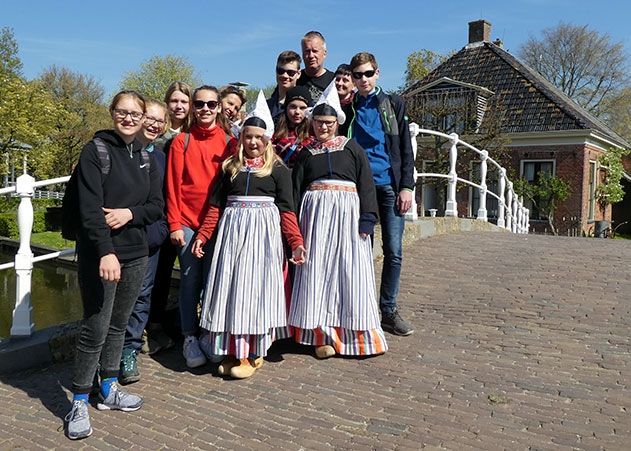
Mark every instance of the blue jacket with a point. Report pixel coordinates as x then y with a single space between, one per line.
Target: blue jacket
398 142
159 230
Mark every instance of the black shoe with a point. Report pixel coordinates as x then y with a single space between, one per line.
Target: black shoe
393 323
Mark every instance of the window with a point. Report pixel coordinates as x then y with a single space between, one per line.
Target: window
531 170
449 110
434 190
593 182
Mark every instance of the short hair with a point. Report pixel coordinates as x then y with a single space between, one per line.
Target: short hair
163 105
225 91
343 69
128 93
363 58
313 35
288 56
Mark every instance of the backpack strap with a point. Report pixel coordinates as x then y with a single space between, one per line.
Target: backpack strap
187 138
104 155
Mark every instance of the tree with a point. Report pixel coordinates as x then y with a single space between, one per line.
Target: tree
80 113
421 63
583 63
546 194
10 62
617 113
611 191
157 73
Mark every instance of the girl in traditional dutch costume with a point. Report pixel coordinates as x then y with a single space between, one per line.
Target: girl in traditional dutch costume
244 307
334 306
292 131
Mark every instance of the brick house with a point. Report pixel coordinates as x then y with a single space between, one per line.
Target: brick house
543 129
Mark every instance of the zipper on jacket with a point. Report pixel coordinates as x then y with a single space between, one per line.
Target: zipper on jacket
130 149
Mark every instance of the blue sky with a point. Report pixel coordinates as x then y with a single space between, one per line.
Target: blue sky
239 40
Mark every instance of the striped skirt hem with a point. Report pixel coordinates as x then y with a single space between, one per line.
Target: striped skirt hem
344 341
244 346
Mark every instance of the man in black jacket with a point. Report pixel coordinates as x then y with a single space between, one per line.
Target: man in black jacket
314 76
380 126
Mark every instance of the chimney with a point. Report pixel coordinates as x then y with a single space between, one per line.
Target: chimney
479 31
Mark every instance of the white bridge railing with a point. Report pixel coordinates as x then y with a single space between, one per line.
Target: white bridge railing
511 215
22 324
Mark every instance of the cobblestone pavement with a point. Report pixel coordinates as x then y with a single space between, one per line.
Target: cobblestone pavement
521 342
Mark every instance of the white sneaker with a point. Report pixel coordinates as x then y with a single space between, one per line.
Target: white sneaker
192 353
204 344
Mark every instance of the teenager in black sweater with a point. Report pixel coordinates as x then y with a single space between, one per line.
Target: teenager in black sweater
114 207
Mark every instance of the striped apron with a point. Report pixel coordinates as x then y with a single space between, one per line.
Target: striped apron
333 299
244 306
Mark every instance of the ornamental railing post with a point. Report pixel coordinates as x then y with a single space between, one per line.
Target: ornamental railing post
500 204
412 214
452 206
23 312
527 221
483 170
515 225
509 206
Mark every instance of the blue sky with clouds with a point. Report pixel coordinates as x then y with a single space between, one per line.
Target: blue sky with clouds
239 40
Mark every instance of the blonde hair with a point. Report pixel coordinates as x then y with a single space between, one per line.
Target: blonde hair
161 104
236 162
188 92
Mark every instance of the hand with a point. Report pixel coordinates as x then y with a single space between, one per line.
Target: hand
115 218
177 238
404 201
363 235
110 268
197 249
299 255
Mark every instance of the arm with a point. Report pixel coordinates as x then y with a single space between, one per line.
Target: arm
90 193
405 144
366 191
153 208
174 171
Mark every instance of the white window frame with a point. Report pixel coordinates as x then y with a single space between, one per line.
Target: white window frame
593 176
537 160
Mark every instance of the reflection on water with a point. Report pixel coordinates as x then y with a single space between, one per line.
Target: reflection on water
54 296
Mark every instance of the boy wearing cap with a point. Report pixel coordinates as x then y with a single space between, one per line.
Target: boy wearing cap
378 122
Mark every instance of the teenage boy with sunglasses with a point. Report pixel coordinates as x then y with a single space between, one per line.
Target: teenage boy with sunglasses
287 74
378 122
314 76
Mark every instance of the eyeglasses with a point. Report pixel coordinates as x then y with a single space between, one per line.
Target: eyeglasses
290 72
327 124
149 121
199 104
368 74
122 114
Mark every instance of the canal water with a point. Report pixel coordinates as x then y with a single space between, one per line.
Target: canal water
55 294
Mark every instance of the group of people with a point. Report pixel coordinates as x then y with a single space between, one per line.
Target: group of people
270 215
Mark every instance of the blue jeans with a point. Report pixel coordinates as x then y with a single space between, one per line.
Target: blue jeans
140 314
193 275
392 225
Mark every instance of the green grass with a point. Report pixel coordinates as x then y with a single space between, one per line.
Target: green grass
52 240
623 236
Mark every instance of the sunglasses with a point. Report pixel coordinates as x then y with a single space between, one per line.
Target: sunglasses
290 72
199 104
368 74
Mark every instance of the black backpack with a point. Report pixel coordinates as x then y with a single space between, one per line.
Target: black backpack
70 216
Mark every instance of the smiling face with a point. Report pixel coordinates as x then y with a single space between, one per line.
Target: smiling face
153 125
365 84
127 115
205 116
296 110
287 80
344 85
231 105
313 54
179 107
253 140
324 127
